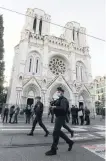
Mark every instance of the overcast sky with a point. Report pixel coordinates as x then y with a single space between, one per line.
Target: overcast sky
89 13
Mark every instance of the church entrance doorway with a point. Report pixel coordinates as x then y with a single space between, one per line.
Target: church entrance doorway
81 104
30 101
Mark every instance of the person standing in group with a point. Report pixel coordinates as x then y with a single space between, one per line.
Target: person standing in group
5 113
81 114
38 118
60 111
87 116
73 113
11 112
28 113
51 111
32 112
16 115
77 120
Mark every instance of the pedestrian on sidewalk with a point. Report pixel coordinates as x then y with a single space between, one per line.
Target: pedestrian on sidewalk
73 113
60 111
87 116
16 115
38 118
5 113
28 114
81 115
77 119
11 113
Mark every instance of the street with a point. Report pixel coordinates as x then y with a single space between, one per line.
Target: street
15 145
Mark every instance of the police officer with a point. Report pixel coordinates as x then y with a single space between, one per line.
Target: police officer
38 119
60 111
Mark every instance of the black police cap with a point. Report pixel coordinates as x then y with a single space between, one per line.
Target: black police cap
60 89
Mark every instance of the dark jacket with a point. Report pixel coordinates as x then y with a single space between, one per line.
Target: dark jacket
62 106
87 112
6 111
27 111
74 111
38 109
12 110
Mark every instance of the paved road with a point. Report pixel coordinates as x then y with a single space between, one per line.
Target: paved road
15 145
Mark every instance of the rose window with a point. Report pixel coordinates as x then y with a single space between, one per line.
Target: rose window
57 66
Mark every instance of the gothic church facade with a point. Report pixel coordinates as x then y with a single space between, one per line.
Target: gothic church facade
43 62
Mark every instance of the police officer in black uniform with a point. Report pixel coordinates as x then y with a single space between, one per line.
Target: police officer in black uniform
38 119
60 111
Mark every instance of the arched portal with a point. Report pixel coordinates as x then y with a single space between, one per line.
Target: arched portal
29 94
84 98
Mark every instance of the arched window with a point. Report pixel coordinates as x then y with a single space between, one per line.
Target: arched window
30 64
81 70
34 25
37 66
40 27
76 72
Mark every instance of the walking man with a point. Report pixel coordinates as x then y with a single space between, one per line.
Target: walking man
60 111
38 119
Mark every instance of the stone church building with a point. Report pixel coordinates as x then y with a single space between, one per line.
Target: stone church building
43 62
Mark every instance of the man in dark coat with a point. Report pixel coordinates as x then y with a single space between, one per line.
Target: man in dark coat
87 114
28 113
16 115
5 114
11 112
60 112
38 119
73 113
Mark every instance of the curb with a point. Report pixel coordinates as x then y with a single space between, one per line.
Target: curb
47 144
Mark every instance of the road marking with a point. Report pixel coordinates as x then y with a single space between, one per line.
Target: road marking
101 133
97 149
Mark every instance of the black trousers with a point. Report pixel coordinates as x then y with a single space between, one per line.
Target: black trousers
5 117
74 120
15 118
87 119
59 122
38 120
82 120
52 118
67 128
11 115
28 117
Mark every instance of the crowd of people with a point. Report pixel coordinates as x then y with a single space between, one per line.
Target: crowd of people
78 115
59 109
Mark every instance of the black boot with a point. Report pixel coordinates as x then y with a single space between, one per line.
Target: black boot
70 146
51 152
47 133
30 134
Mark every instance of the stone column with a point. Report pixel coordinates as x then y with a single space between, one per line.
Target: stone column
76 99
